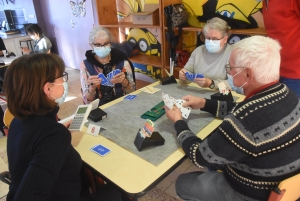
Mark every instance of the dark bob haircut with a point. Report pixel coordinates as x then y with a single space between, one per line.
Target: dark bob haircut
24 84
33 28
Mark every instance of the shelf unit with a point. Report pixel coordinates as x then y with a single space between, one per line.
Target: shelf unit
107 17
165 51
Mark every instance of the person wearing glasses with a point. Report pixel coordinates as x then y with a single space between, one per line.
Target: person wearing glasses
41 43
103 58
209 59
257 143
43 164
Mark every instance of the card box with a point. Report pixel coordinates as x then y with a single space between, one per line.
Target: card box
97 114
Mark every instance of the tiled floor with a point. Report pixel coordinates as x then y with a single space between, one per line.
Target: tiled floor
165 190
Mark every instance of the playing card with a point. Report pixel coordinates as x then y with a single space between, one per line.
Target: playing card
130 97
93 130
168 102
117 71
185 111
199 75
104 79
100 149
110 75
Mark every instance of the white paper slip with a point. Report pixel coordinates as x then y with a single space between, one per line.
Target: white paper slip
93 130
150 90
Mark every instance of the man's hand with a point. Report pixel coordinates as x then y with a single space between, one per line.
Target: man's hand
203 82
174 115
194 102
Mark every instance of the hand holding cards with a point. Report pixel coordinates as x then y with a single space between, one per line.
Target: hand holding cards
106 80
191 76
170 102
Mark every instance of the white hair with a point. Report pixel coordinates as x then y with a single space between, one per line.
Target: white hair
99 32
217 24
260 53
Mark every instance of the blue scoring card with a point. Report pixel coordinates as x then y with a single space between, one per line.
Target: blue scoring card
100 149
130 97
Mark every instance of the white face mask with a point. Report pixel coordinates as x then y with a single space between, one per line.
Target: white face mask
213 46
240 89
60 100
32 37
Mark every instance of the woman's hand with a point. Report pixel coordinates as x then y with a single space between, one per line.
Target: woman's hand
93 81
67 123
118 78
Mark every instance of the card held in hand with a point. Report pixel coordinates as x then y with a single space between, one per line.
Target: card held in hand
185 111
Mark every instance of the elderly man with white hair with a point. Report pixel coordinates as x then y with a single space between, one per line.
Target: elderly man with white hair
257 144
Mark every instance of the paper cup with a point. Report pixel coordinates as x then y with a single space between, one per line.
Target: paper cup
4 53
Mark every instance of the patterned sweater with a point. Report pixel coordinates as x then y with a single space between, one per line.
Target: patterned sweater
258 141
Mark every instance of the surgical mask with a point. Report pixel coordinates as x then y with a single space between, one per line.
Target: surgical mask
32 37
240 89
60 100
102 52
213 46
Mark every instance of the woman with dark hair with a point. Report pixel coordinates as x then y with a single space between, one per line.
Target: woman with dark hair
42 162
41 43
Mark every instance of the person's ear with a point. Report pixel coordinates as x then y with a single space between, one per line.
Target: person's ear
249 73
47 88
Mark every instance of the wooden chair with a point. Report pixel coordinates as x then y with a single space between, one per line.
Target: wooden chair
7 118
288 190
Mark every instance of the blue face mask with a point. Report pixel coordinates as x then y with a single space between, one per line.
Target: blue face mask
60 100
213 46
239 90
102 52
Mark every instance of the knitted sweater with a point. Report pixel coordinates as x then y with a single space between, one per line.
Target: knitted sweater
42 162
258 141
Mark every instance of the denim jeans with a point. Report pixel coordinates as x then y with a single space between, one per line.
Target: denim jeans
293 84
206 186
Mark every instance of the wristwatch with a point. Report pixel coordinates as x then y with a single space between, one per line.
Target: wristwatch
212 85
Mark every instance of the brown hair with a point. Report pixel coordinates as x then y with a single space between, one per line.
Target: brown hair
24 84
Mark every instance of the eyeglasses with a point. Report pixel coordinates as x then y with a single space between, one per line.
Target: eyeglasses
64 76
99 45
213 39
228 68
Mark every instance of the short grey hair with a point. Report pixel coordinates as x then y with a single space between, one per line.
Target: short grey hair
217 24
260 53
99 32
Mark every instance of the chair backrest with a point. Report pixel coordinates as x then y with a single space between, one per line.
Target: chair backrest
7 118
288 190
